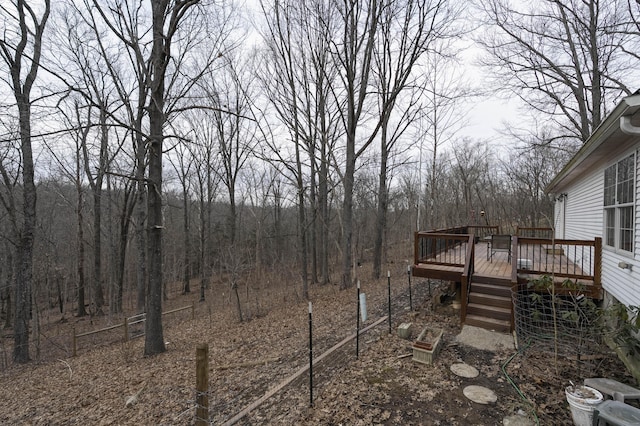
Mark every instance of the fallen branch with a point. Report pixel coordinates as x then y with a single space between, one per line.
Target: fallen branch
68 366
133 399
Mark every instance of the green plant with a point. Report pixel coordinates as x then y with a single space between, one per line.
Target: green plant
579 320
623 325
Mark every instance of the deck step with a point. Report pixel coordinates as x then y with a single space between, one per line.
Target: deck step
503 282
490 300
491 312
490 303
493 289
501 326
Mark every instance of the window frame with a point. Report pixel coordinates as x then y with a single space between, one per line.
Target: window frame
619 196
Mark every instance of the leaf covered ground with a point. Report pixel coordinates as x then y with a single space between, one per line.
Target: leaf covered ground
383 385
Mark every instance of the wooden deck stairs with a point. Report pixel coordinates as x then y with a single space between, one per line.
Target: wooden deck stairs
462 255
489 304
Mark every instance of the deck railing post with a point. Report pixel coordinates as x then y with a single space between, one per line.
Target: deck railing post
597 266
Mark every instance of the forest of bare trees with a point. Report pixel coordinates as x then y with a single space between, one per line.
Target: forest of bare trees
152 141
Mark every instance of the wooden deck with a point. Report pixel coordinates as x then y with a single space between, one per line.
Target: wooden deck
499 267
534 261
486 285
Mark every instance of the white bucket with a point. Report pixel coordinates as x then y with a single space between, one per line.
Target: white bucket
582 400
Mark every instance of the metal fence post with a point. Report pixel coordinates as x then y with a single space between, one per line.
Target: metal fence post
389 294
358 323
409 276
310 356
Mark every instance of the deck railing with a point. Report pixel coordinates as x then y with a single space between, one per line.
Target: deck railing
482 231
453 247
465 283
450 254
430 245
522 231
440 249
578 260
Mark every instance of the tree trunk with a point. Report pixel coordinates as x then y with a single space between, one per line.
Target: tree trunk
154 339
302 231
381 217
187 239
21 84
81 312
96 186
125 223
24 273
141 220
323 198
347 216
98 293
313 202
10 275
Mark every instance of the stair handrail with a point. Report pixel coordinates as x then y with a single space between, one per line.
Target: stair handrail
514 274
467 273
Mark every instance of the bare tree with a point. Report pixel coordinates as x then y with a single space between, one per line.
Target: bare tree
563 59
442 118
203 150
73 168
25 29
182 162
408 31
166 17
529 169
633 29
162 45
236 133
363 24
286 68
10 166
259 182
468 174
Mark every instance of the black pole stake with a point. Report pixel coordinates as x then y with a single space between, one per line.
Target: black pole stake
358 324
389 293
310 357
409 276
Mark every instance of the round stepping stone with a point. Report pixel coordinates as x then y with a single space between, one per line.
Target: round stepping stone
464 370
480 394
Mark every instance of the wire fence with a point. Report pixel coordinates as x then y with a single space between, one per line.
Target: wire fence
129 328
562 324
280 388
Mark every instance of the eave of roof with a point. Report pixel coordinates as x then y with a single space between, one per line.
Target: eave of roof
585 157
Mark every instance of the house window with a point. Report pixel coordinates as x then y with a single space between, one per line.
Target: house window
619 194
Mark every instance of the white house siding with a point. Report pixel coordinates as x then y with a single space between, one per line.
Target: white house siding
620 283
624 284
584 221
583 206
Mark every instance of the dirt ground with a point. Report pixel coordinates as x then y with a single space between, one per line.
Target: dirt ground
383 385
